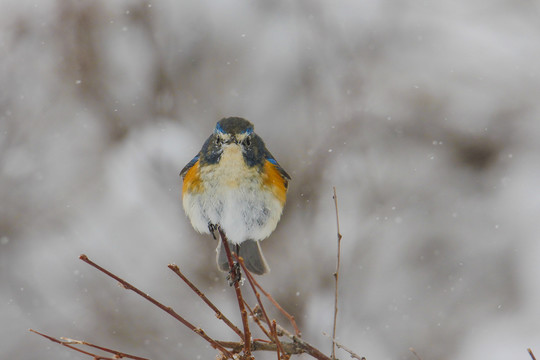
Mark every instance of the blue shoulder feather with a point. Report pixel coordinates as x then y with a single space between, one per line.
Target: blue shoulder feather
189 166
274 162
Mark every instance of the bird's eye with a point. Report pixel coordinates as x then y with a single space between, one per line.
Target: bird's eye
247 141
218 140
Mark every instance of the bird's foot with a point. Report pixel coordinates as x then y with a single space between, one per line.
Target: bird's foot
213 230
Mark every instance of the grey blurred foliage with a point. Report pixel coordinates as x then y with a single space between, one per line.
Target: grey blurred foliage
424 115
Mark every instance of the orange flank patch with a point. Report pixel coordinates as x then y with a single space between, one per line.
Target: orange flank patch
274 181
192 180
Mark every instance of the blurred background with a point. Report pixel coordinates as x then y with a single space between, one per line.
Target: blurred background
424 115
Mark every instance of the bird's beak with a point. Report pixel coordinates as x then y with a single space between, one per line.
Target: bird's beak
231 140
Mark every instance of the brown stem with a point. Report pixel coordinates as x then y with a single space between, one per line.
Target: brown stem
352 353
67 343
289 347
306 347
219 314
278 343
252 281
243 312
271 325
275 303
257 320
336 276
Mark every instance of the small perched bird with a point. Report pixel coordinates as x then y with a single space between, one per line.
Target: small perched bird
235 184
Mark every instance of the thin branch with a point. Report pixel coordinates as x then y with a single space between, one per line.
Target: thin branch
67 343
415 353
344 348
275 303
256 318
289 348
167 309
251 281
278 343
336 276
531 353
352 353
306 347
117 354
285 313
219 314
243 312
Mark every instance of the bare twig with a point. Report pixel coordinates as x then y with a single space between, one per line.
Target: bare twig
219 314
289 348
243 312
279 348
256 317
278 343
275 328
117 354
353 354
306 347
336 276
275 303
531 354
167 309
411 349
271 325
68 343
251 281
285 313
346 349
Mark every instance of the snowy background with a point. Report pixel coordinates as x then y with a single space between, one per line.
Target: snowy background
424 115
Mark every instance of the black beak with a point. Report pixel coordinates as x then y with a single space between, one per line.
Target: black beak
232 140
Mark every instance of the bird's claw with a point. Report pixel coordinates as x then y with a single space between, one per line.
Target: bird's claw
213 229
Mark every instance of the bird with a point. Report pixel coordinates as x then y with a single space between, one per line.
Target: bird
236 185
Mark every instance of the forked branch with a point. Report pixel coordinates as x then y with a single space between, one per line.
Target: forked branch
70 342
167 309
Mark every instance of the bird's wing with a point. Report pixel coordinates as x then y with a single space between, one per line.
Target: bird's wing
270 158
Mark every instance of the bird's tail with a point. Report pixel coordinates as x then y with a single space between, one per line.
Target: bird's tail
249 250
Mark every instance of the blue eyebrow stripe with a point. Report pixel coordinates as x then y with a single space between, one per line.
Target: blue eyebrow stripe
248 131
273 161
219 128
